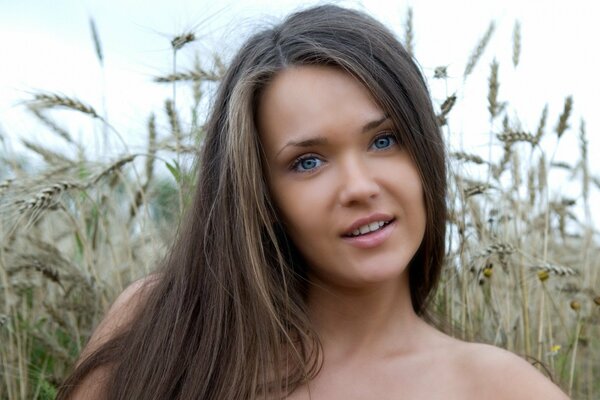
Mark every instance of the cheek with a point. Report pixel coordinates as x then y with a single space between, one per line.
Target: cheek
421 212
299 201
409 191
301 212
304 213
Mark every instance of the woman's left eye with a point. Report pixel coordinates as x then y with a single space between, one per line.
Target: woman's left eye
384 141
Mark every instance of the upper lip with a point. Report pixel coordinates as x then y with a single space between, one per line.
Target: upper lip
367 220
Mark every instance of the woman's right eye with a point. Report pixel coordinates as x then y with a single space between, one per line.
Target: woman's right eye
306 164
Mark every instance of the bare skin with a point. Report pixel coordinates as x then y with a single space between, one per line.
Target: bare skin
370 358
120 313
379 352
374 344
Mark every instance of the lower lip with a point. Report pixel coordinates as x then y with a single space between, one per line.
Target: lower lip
372 239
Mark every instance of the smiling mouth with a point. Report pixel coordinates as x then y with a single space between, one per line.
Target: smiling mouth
369 228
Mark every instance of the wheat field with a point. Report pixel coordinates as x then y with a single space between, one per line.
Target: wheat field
522 270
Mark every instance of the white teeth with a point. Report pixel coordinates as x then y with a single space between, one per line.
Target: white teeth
368 228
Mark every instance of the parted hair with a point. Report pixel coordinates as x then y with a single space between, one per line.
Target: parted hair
226 317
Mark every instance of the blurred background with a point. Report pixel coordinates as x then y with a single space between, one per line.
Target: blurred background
48 46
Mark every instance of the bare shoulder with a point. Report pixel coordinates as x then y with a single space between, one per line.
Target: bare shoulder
500 374
119 314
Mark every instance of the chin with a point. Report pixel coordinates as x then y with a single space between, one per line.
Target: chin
376 274
383 275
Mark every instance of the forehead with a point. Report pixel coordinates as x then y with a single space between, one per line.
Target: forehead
313 100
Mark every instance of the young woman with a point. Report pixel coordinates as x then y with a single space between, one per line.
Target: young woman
305 265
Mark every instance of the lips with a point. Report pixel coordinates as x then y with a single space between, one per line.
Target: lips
372 240
367 224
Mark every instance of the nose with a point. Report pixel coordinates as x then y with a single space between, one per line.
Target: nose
357 183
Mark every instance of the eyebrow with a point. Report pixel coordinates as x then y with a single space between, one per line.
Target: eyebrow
315 141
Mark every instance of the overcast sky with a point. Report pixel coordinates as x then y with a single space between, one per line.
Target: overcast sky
46 45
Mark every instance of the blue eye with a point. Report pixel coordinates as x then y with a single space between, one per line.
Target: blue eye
306 164
384 141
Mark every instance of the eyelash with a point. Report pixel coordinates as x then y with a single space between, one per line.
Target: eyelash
296 163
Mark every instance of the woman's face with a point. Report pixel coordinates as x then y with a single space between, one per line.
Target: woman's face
349 195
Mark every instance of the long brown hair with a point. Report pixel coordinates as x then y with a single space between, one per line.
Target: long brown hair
227 317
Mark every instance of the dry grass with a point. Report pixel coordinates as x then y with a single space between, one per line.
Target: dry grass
522 268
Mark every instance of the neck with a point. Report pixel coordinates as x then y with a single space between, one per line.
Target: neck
366 322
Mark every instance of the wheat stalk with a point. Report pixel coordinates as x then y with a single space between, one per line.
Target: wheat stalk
506 155
493 86
565 202
151 147
479 49
445 109
555 269
45 198
542 174
181 149
574 354
516 171
585 177
510 137
475 190
440 72
195 75
52 125
516 43
96 40
181 40
561 165
49 100
499 248
408 32
117 165
531 186
563 121
47 271
49 156
149 169
542 124
462 156
173 121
